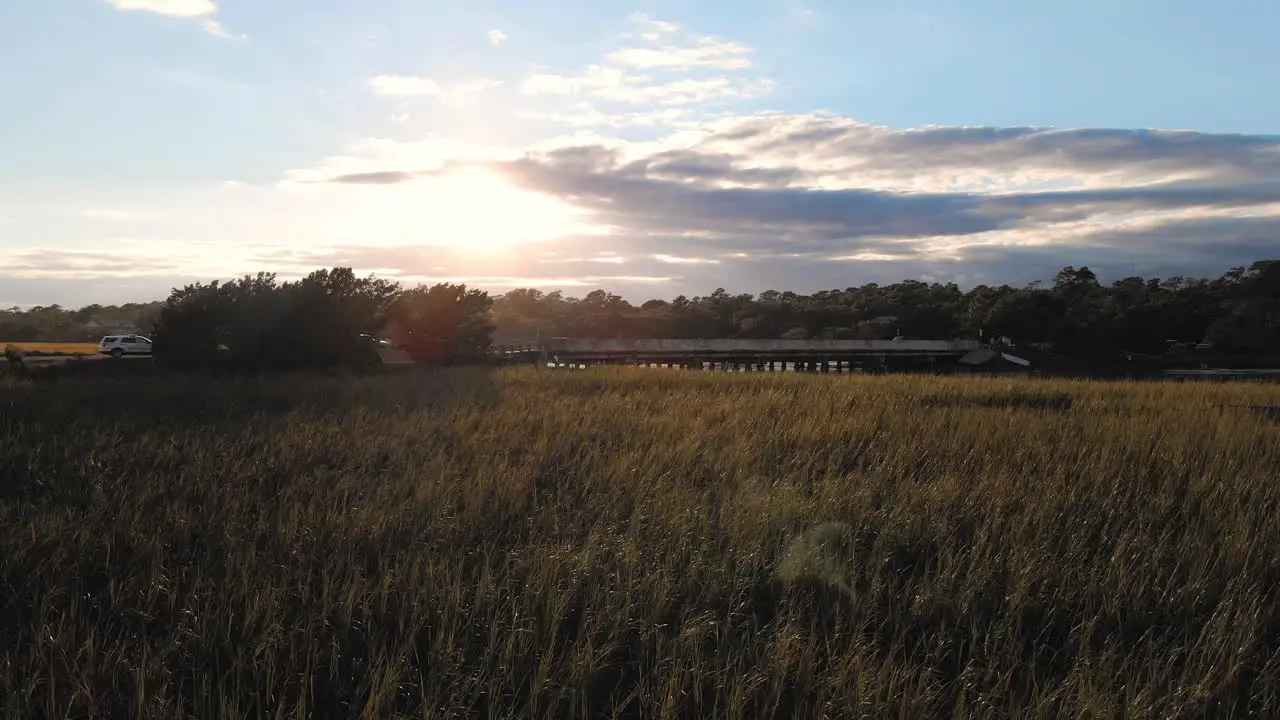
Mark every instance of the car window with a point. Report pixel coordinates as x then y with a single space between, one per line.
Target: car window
109 339
126 340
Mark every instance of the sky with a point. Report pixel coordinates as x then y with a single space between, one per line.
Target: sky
651 149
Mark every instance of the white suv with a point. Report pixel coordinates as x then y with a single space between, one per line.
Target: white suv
117 346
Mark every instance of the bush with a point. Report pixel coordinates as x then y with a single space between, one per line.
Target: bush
327 320
442 324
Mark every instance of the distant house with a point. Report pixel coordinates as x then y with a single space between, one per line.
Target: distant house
985 361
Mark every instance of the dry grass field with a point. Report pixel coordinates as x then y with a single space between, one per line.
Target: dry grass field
626 543
49 347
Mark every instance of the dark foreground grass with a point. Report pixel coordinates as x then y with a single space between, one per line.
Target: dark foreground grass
638 544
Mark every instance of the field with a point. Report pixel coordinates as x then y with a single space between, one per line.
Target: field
49 347
629 543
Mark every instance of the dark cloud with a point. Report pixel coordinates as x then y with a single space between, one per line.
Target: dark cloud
719 189
769 227
632 201
747 195
807 218
387 177
691 165
1136 151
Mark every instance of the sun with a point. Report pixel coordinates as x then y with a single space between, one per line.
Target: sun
471 210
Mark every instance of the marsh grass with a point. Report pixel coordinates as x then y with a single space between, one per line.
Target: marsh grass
638 544
53 348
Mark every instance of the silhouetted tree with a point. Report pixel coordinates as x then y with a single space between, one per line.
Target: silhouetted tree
441 324
327 319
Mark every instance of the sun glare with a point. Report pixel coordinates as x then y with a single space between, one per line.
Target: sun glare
471 210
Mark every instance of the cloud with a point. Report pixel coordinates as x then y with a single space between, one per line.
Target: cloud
43 263
388 161
809 200
676 260
654 28
119 257
685 197
203 10
800 12
584 114
172 8
708 52
108 214
405 85
520 267
609 259
417 86
661 69
496 37
375 178
216 29
619 86
595 78
836 151
754 194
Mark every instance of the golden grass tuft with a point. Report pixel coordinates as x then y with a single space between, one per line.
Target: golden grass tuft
624 543
52 347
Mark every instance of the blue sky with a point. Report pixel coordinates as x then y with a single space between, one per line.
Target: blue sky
651 149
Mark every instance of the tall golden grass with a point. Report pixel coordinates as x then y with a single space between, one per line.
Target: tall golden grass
635 543
51 347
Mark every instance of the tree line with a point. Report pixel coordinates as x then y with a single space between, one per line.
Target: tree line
334 317
54 323
1075 315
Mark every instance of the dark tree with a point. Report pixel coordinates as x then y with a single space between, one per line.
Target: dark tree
443 323
325 320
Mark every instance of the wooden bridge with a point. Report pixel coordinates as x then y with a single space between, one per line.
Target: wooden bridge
741 354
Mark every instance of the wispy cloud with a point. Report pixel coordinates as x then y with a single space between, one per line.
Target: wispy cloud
677 260
405 85
653 29
217 29
707 52
616 85
607 259
203 10
173 8
597 78
417 86
496 37
108 214
584 115
838 152
121 257
387 161
662 68
801 12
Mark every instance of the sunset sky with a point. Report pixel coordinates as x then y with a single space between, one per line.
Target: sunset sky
649 149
